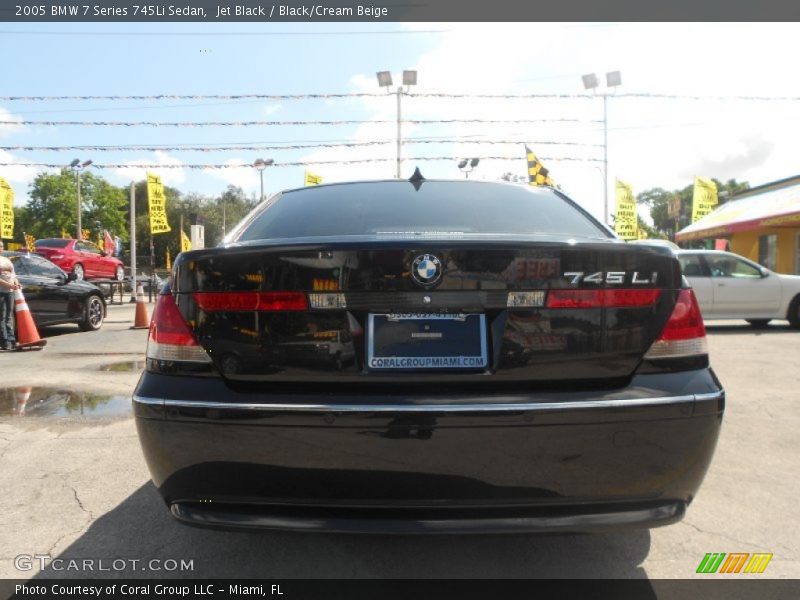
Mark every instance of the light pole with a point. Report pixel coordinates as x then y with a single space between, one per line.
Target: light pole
590 82
77 166
467 165
385 80
261 164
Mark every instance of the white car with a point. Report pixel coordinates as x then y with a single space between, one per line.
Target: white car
729 286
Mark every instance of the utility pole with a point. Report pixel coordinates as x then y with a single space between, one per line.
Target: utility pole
399 128
385 80
605 158
591 82
133 242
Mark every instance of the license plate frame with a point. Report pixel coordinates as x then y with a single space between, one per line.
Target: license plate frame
469 362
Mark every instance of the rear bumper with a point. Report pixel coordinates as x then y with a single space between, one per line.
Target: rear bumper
632 457
449 521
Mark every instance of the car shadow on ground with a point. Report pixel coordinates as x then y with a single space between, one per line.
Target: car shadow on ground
740 328
141 528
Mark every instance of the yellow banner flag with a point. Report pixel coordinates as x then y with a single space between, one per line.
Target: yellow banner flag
168 260
704 199
626 223
311 179
6 210
85 235
157 205
186 243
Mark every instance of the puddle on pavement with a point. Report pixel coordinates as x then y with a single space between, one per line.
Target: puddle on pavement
126 366
38 402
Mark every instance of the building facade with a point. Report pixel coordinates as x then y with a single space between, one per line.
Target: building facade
762 224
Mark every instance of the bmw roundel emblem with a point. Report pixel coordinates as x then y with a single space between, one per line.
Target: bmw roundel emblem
426 269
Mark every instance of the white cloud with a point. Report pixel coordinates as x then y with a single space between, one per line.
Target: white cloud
244 175
135 169
271 109
18 176
651 142
13 127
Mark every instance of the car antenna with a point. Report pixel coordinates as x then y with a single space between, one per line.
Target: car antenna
417 179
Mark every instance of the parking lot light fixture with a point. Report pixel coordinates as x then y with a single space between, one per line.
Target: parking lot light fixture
260 164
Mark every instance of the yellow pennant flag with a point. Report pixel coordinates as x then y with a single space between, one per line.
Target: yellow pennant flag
186 243
6 210
312 179
168 260
85 235
704 199
65 235
157 205
626 223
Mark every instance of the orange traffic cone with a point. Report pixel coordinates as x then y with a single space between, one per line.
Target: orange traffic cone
141 321
27 335
21 397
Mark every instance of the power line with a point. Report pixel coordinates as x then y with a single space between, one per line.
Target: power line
138 148
280 123
293 164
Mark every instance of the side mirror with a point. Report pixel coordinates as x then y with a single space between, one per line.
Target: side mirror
764 272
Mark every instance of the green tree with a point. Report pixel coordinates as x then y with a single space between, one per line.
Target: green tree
53 204
657 199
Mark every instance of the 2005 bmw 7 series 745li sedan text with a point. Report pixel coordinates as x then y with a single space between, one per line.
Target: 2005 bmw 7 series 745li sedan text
427 356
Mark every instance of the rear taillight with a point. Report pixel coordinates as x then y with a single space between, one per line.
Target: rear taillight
171 338
684 334
251 301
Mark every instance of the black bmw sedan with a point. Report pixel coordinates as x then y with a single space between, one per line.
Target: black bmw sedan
54 297
427 356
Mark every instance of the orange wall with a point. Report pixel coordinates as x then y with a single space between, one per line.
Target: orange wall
746 244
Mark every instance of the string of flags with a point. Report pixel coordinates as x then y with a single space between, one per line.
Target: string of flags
316 96
281 147
279 123
287 164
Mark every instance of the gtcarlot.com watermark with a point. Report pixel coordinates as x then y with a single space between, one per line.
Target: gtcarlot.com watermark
29 562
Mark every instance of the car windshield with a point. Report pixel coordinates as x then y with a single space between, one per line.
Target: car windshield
53 243
436 207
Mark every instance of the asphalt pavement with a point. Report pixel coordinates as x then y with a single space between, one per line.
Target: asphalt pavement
75 485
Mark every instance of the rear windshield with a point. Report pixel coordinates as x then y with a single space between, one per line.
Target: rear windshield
438 207
53 243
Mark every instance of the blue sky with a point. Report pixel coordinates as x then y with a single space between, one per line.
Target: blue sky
651 142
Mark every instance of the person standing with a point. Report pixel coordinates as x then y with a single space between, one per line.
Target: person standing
8 284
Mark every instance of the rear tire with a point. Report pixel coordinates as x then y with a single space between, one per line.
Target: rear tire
758 323
79 272
93 314
794 313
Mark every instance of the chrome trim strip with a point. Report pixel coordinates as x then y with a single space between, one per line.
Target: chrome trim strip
709 396
149 401
438 408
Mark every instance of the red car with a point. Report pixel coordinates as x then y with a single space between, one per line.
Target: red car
85 259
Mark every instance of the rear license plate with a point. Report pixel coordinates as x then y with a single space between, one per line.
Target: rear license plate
414 341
